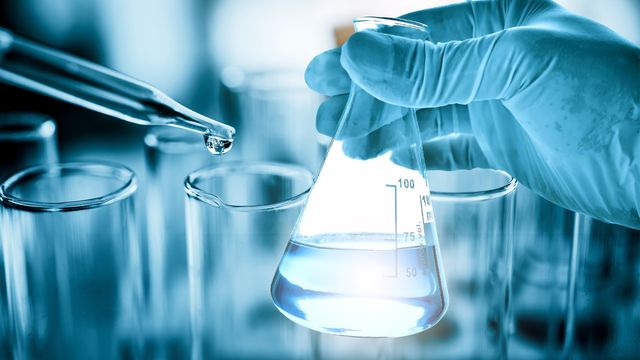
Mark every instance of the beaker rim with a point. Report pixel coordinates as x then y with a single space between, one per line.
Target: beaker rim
392 21
126 187
26 126
508 186
253 167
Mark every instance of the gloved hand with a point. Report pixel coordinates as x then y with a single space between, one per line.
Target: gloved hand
522 86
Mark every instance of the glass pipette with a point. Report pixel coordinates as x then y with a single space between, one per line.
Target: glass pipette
50 72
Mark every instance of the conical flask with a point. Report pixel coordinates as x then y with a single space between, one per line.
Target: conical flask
363 259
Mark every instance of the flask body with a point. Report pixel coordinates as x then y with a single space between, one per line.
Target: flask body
363 259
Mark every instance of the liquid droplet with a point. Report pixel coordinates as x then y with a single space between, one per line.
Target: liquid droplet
217 145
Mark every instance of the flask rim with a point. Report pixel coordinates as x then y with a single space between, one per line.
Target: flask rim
391 21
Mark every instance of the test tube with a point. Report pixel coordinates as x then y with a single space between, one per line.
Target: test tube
277 112
603 317
26 139
170 155
239 218
72 261
574 280
474 214
542 256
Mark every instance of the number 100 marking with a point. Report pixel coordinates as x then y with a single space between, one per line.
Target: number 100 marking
406 183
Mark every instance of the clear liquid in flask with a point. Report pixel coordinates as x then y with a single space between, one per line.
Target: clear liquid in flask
360 285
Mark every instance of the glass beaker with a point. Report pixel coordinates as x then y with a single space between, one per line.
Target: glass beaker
239 216
26 139
72 261
476 210
170 155
364 259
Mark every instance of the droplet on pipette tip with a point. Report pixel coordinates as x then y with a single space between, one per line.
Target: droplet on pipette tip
217 145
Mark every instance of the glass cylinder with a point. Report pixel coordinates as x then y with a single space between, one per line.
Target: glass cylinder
239 217
170 155
26 139
475 222
475 218
72 261
544 247
575 284
277 113
603 312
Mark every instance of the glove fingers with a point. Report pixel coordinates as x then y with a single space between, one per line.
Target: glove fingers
367 114
325 75
454 22
328 115
434 123
443 121
472 19
377 142
420 74
454 152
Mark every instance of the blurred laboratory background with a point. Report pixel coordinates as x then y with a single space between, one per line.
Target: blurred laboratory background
530 281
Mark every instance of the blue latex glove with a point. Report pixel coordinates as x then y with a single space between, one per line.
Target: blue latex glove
522 86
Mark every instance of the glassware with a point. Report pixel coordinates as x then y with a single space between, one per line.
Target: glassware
26 139
269 102
239 216
604 292
575 284
476 210
475 225
543 252
72 261
50 72
170 155
364 259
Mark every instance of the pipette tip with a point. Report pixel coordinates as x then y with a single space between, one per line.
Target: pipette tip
217 145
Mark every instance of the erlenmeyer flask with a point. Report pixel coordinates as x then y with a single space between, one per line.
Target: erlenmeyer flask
364 259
